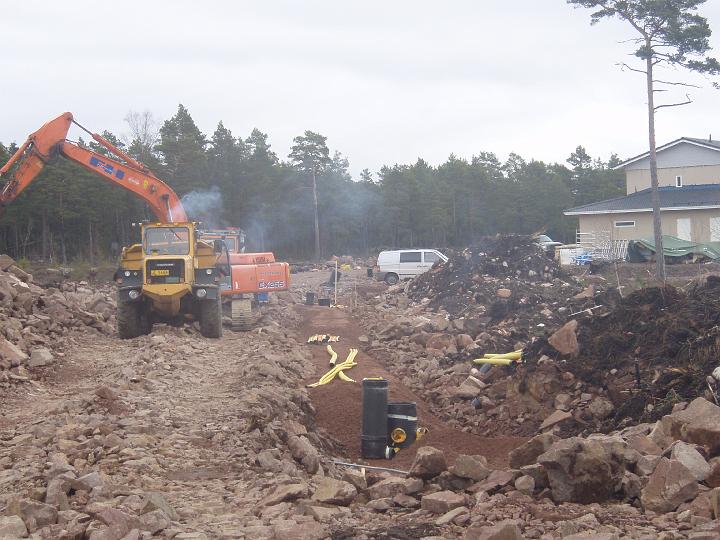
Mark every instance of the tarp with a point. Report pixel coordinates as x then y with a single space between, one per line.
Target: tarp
642 250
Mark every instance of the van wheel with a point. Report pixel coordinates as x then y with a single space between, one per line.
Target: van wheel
391 279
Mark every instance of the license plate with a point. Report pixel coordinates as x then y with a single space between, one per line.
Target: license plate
159 272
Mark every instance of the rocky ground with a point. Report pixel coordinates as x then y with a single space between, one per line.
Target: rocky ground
173 435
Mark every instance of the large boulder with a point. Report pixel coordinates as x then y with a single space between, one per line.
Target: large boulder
527 453
670 485
584 470
699 423
428 462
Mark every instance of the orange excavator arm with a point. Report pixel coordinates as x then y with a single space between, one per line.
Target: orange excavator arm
50 140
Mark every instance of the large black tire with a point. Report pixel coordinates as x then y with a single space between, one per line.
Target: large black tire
241 314
211 318
391 279
129 320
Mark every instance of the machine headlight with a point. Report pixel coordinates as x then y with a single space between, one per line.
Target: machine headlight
134 294
127 273
201 293
208 271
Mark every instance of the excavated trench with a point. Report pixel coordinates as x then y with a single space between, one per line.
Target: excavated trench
339 404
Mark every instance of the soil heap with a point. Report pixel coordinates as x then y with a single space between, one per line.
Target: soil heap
653 349
505 284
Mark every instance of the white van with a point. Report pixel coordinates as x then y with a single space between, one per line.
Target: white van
392 266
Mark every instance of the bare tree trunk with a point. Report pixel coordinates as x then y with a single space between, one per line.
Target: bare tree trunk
654 194
91 247
44 235
317 221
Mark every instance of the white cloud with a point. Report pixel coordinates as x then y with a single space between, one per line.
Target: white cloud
386 82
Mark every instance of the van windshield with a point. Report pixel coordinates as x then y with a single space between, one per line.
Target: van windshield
167 241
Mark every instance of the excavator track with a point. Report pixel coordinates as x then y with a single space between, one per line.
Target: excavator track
241 315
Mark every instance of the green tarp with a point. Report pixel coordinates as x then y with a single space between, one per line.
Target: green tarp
642 250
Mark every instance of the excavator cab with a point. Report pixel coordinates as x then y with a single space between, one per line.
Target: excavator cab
170 274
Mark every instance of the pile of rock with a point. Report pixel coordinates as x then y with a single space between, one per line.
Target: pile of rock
663 480
34 320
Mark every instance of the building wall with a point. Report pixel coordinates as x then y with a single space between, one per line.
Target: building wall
684 154
703 228
639 179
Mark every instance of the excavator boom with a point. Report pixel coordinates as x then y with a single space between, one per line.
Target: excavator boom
50 140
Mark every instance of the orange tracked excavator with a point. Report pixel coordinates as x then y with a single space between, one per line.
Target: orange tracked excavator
177 269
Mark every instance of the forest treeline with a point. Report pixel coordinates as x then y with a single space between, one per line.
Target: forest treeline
225 180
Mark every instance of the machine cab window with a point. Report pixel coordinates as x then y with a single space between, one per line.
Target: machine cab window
167 241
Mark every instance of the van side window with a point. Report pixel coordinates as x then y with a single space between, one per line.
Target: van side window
410 256
431 257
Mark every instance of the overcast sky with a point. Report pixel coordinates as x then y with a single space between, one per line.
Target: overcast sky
386 82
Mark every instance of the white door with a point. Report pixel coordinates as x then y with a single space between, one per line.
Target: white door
715 229
684 229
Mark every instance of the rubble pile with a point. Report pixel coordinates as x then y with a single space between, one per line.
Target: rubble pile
662 480
176 432
505 285
651 350
34 320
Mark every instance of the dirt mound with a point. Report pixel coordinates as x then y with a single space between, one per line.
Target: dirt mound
505 289
653 349
468 277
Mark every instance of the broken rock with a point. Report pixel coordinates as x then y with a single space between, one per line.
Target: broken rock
36 515
584 470
12 527
472 467
505 530
688 455
699 423
428 462
332 491
527 453
670 485
565 340
40 357
442 502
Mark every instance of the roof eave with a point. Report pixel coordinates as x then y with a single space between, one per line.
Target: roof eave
664 147
573 212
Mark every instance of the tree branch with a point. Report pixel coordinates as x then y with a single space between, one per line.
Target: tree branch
676 83
624 66
675 104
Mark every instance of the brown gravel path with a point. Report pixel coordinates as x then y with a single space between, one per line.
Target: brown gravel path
339 404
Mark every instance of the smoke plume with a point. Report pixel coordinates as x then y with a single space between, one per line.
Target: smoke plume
205 206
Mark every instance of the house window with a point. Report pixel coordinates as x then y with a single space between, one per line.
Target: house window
622 224
678 181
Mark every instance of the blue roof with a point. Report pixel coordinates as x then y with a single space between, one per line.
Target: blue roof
694 196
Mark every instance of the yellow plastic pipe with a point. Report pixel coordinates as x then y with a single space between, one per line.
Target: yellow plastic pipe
494 361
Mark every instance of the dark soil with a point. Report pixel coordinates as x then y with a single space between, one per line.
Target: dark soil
653 349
